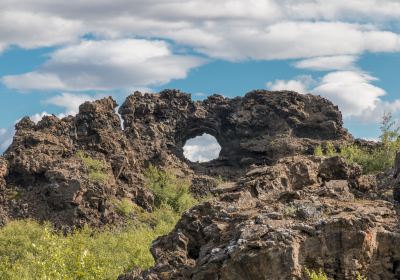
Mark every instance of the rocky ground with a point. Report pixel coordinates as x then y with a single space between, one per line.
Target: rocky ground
276 221
279 210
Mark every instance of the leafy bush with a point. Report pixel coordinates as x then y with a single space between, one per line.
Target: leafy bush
372 161
313 275
169 190
95 168
124 206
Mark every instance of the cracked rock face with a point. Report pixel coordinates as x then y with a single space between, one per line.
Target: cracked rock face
275 221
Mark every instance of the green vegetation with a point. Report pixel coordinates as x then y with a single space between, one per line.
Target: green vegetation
96 168
289 211
29 250
313 275
360 277
169 190
320 275
375 160
124 206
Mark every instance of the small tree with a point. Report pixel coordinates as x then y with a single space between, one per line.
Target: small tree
390 130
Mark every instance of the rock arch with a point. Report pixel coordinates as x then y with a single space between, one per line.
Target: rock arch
259 128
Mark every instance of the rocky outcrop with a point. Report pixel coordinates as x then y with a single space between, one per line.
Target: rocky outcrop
278 220
49 180
259 128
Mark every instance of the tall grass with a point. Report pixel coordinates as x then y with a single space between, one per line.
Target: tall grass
29 250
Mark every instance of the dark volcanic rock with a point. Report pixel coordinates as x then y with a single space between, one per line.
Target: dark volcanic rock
53 182
259 128
250 233
49 181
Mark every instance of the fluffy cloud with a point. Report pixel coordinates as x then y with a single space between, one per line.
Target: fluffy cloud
29 30
374 114
325 63
228 29
70 102
289 40
106 64
301 84
201 148
352 91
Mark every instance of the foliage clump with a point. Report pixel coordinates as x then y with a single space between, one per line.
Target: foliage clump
373 160
316 275
169 190
96 168
124 207
320 275
29 250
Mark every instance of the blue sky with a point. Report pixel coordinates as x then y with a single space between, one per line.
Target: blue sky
54 55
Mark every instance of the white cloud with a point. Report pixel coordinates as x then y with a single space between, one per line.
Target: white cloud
324 63
70 102
33 81
228 29
289 40
353 91
201 148
300 84
29 30
374 114
107 64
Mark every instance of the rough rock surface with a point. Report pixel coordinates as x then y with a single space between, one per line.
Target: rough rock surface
47 180
275 221
259 128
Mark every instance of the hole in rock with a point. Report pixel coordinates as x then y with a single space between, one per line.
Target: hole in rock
202 148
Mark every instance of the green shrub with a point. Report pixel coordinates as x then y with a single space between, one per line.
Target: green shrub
320 275
169 190
96 168
124 206
289 211
360 277
372 161
313 275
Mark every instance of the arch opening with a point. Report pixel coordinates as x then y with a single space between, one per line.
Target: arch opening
203 148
